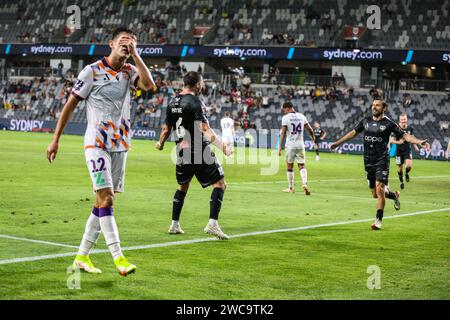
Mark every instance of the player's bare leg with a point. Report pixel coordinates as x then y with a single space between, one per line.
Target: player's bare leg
381 202
105 199
304 175
290 177
215 204
178 201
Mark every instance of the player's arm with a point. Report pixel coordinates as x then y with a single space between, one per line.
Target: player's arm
310 132
324 135
211 136
350 135
165 134
282 138
394 140
412 139
66 113
145 81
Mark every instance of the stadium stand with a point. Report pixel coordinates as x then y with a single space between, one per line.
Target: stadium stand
408 24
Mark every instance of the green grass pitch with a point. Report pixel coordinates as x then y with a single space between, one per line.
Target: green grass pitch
39 201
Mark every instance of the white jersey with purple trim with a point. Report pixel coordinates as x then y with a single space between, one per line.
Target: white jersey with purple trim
227 125
107 95
295 124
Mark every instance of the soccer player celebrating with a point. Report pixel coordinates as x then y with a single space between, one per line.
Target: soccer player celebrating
105 87
227 125
293 124
403 151
377 130
194 157
320 135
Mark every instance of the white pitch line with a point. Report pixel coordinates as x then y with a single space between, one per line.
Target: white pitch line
331 180
174 243
37 241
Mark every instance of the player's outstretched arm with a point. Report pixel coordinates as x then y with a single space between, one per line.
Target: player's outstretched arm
67 111
348 136
211 136
394 140
165 133
412 139
324 135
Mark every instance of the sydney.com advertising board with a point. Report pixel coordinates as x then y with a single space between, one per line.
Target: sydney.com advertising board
249 138
236 52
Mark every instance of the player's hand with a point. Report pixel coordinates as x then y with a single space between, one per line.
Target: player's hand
227 150
425 144
279 152
52 150
132 47
333 146
159 146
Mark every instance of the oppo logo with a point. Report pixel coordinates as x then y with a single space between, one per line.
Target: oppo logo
373 139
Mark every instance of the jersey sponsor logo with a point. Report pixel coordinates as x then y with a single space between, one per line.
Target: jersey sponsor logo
177 110
373 139
382 128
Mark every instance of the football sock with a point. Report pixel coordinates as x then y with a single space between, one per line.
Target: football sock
91 233
290 177
215 203
400 176
213 222
178 201
390 195
380 214
110 231
317 152
304 175
408 170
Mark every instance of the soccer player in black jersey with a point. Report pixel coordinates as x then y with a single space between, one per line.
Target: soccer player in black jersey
194 157
377 130
403 154
320 135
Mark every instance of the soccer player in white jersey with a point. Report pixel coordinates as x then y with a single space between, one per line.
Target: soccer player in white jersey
293 125
227 125
105 87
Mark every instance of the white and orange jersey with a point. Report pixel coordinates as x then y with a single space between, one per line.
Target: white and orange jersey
295 124
107 95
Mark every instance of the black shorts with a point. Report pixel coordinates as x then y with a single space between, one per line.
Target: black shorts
400 159
207 172
377 171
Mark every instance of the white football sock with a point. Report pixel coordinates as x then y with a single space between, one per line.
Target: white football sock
111 234
175 223
290 176
213 222
304 175
90 236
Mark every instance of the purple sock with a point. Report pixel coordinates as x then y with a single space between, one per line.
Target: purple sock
104 212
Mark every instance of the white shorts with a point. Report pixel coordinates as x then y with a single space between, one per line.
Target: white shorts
107 169
228 140
293 154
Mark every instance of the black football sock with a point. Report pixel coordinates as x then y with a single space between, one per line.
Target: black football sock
407 171
317 152
380 214
215 203
390 195
178 200
400 176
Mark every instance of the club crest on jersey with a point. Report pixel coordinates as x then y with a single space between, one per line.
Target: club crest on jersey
382 128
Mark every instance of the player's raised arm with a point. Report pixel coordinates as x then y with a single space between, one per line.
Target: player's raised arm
145 81
66 113
412 139
282 138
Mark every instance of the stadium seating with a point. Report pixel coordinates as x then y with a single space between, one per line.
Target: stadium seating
413 24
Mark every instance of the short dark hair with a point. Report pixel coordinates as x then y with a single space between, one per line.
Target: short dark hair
227 113
120 30
191 78
287 105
